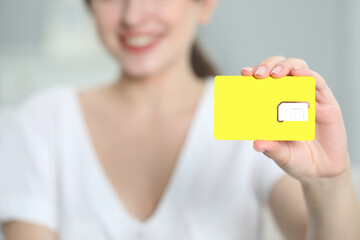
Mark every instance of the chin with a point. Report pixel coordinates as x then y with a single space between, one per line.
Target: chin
138 70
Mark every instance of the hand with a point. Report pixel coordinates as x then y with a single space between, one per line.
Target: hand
327 154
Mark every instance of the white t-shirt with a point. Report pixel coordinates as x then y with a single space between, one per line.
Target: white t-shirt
50 175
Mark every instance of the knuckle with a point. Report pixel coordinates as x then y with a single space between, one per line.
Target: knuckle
277 58
292 59
271 60
304 62
297 60
301 60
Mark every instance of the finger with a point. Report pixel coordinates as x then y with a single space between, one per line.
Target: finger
247 71
264 68
279 151
283 67
323 92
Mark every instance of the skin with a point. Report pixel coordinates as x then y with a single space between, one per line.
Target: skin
316 200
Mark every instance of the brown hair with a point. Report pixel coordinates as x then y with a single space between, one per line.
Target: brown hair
200 63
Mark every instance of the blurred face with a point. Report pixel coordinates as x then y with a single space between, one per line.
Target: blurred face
146 36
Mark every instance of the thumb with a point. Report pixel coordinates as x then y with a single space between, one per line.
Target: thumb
279 151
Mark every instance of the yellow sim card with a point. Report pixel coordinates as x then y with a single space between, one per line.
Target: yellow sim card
246 108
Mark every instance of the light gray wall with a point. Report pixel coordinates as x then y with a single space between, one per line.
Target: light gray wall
21 23
352 66
356 78
348 85
244 32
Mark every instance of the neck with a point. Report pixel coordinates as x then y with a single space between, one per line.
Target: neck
166 92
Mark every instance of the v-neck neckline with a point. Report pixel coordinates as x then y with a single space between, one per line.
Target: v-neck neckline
114 203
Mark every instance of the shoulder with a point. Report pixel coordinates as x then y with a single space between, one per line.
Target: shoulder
43 104
38 114
44 99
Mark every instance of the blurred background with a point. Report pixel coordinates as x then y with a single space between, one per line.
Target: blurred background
45 43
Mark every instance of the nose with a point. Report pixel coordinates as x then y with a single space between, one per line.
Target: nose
133 12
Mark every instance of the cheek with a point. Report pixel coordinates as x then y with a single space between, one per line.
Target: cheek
182 19
107 27
182 29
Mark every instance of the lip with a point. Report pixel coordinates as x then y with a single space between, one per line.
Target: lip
142 49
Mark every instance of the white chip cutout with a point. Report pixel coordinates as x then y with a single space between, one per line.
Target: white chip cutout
293 111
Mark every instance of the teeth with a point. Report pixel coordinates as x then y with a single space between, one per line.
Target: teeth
139 41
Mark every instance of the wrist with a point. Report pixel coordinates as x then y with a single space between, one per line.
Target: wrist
328 192
337 176
328 182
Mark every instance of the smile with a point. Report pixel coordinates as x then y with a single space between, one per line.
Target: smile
139 43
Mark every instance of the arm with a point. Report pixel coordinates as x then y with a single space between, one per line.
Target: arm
329 203
322 166
334 210
287 205
23 231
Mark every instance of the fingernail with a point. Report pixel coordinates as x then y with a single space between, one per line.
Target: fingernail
249 69
261 70
259 150
276 70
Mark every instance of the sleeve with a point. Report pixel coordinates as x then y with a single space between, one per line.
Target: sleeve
266 173
27 166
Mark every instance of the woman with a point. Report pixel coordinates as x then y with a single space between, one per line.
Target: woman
137 159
